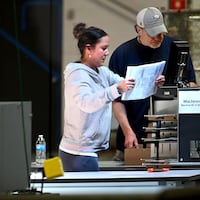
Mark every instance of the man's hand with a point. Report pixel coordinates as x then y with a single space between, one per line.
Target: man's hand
160 81
131 140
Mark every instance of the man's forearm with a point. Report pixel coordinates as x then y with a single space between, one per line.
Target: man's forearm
121 116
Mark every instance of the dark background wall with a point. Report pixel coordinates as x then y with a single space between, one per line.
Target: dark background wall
30 54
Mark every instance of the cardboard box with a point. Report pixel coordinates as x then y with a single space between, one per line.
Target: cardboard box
133 156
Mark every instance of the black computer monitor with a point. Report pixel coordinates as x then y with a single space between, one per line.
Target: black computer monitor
176 72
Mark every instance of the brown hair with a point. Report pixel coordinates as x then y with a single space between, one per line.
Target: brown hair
90 35
78 29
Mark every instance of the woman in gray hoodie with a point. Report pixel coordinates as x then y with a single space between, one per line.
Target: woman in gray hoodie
89 89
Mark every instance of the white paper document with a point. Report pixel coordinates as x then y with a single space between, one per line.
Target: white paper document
145 77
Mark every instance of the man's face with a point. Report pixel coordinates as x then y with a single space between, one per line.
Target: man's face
147 40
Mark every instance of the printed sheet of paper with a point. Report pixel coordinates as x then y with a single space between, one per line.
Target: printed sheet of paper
145 76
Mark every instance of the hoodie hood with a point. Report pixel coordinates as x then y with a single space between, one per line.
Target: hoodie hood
71 67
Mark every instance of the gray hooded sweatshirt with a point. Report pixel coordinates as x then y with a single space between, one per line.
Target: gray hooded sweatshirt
88 108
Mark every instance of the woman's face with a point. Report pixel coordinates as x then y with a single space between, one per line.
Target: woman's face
98 53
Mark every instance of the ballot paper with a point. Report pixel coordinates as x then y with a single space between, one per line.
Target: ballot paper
145 77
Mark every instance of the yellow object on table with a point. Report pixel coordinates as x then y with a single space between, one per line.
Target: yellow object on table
53 167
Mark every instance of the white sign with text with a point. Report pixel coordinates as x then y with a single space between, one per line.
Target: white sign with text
189 101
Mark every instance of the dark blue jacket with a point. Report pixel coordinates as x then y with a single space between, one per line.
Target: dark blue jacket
133 53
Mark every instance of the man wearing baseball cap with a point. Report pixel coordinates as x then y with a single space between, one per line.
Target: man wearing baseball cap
151 20
152 44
